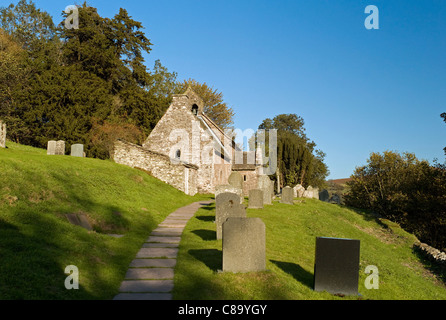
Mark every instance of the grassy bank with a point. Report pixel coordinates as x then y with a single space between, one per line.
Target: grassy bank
290 249
36 240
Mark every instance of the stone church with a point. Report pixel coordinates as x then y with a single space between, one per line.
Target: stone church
187 150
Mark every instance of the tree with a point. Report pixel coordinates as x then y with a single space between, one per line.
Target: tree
403 189
443 115
214 106
298 161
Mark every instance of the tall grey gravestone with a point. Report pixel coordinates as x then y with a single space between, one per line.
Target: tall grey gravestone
2 134
287 195
264 184
336 268
236 180
255 199
51 148
60 148
227 205
244 245
77 150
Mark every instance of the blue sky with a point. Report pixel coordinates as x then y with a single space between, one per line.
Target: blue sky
359 91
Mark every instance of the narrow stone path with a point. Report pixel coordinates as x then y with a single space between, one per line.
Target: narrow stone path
150 274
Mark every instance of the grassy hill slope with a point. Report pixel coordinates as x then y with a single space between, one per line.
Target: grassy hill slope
36 240
291 232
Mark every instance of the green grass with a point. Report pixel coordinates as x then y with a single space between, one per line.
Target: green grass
36 240
291 232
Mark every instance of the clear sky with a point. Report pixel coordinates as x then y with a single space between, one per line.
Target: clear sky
358 90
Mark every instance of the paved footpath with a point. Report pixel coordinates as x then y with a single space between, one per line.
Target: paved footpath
150 274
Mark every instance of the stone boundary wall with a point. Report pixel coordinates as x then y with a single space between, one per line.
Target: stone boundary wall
158 165
431 253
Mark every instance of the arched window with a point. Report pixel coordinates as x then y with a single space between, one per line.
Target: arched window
178 154
195 109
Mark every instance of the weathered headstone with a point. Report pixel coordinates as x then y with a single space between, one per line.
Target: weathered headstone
77 150
316 193
264 184
2 134
227 205
255 199
222 188
244 245
287 195
51 148
299 191
236 180
60 148
336 268
324 195
335 198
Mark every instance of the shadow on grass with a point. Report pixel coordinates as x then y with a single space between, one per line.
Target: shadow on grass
298 273
212 258
206 235
206 218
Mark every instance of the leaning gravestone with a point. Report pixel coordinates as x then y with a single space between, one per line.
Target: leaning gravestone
287 195
264 184
255 199
324 195
60 148
236 180
2 134
227 205
77 150
222 188
336 268
51 148
244 245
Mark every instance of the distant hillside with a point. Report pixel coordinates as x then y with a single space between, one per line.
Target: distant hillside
340 181
37 195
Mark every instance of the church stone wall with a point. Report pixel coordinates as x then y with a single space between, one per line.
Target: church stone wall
158 165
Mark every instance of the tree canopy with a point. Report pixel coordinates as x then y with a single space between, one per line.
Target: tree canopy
298 160
87 85
214 105
404 189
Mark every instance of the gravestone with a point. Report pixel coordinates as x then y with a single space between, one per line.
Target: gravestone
264 184
324 195
335 198
2 134
316 193
244 245
336 268
255 199
77 150
299 191
51 148
227 205
222 188
236 180
287 195
60 148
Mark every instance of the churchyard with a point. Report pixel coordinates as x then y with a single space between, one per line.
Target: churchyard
266 251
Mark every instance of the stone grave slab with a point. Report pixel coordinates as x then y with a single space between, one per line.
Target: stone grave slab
287 195
244 245
227 205
256 199
336 268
